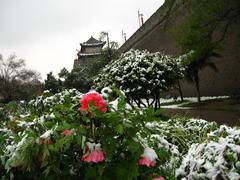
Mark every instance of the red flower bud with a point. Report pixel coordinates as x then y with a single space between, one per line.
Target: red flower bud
50 142
67 132
42 141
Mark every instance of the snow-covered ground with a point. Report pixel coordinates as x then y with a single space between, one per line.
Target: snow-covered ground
176 103
187 101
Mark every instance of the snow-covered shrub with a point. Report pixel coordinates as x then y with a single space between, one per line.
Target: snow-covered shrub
216 158
141 75
181 132
68 136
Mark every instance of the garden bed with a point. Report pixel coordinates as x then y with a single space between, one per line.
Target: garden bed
55 136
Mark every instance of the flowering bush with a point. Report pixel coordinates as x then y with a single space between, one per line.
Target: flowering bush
56 137
141 75
53 138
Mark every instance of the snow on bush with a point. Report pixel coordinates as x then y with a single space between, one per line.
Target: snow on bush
141 74
180 133
69 135
52 136
216 158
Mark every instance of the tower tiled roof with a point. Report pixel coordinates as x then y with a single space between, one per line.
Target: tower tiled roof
93 42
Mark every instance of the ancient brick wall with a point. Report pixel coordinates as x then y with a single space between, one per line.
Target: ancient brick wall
93 49
153 37
84 61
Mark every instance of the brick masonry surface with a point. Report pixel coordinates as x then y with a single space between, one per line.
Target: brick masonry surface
153 36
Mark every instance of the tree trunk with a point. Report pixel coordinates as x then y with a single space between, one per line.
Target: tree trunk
141 102
151 103
157 101
180 90
147 101
137 102
155 104
196 78
128 99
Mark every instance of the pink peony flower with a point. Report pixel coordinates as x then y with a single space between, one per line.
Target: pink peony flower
67 132
94 154
147 162
148 158
158 178
95 97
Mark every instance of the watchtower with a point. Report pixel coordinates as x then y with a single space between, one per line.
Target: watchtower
90 50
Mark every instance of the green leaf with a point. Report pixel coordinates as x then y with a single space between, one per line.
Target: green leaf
120 129
121 102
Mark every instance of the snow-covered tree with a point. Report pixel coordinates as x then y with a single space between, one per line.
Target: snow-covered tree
141 75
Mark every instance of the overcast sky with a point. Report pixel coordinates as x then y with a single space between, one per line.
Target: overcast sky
46 33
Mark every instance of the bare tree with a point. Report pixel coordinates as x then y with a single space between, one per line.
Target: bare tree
13 76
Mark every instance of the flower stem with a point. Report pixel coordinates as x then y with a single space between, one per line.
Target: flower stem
93 130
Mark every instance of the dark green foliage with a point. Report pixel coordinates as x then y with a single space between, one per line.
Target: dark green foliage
52 84
115 130
122 133
63 73
79 79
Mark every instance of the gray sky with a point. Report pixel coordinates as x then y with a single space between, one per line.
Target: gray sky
46 33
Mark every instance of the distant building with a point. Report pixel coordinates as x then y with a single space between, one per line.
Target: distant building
90 50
